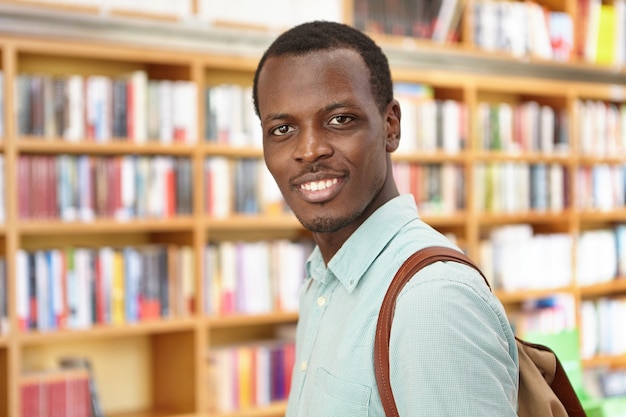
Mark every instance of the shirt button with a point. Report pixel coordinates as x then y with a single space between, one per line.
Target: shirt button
303 366
321 301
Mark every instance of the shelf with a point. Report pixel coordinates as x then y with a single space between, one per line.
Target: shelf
613 216
493 219
523 157
615 287
241 320
524 295
212 149
275 409
240 222
602 361
113 147
54 227
435 157
106 332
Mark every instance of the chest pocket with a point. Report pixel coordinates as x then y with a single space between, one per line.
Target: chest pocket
335 397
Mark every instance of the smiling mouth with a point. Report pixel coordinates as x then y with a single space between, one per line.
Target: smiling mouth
318 185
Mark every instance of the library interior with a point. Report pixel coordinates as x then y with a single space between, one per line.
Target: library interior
149 265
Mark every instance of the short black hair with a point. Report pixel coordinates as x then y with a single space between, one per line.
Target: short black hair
324 35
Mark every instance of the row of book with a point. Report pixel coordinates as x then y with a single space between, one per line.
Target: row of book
45 109
600 256
602 128
504 258
249 375
84 187
523 127
602 324
101 108
67 390
254 277
601 187
241 185
76 288
437 188
518 187
430 124
550 315
522 29
230 118
438 20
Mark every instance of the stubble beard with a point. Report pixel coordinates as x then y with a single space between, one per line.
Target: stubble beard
326 224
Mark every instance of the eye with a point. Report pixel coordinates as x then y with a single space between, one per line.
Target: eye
342 119
282 130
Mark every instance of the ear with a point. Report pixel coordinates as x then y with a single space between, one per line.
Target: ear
392 119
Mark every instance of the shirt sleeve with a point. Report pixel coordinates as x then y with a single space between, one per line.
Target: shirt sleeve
452 350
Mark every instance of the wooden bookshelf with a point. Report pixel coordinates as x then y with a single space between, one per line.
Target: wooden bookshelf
158 367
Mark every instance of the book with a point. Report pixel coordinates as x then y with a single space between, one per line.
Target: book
83 363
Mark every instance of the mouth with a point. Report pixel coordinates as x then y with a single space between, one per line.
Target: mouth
319 191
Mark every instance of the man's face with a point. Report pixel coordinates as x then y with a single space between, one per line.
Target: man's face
324 139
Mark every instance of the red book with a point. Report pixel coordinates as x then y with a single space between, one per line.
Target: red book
170 187
290 356
57 397
100 290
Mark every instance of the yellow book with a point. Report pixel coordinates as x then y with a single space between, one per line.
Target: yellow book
118 311
605 51
245 377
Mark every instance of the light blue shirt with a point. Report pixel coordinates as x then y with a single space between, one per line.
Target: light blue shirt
452 350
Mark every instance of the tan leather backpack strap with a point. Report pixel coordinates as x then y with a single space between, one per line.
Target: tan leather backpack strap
410 267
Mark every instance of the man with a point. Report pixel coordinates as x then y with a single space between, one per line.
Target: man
324 94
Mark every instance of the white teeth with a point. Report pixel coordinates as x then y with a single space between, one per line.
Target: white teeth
319 185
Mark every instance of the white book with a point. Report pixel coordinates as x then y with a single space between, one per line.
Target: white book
166 109
556 186
83 301
128 190
188 285
547 125
43 289
219 186
184 112
288 259
451 126
75 93
444 20
254 292
138 111
57 273
1 105
85 186
22 286
228 277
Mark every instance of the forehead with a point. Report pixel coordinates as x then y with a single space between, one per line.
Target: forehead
303 77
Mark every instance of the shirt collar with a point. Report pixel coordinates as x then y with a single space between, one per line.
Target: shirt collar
356 255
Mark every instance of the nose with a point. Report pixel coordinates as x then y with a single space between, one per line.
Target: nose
312 146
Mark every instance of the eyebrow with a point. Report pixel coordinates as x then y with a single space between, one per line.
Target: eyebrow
329 107
275 116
